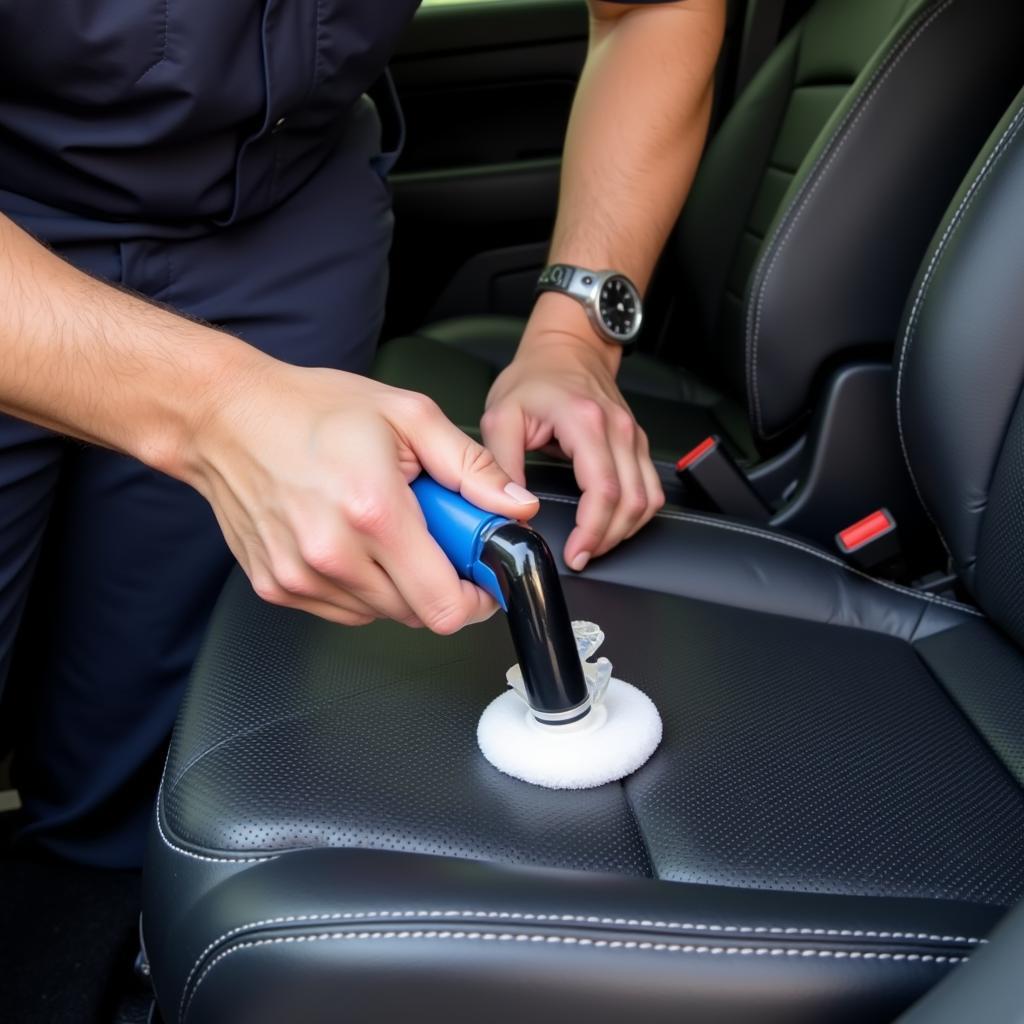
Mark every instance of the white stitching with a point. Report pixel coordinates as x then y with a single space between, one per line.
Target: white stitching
573 940
810 185
628 922
790 542
912 322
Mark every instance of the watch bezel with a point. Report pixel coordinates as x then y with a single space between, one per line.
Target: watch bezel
593 307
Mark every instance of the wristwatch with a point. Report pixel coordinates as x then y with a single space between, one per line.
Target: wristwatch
610 299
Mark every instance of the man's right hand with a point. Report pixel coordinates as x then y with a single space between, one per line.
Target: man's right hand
308 472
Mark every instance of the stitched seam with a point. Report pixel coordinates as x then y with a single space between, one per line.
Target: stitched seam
789 542
188 853
591 919
624 922
909 334
163 42
807 190
573 940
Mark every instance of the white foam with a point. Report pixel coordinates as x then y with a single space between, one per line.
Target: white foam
615 739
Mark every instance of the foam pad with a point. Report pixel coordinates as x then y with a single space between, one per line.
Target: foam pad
613 741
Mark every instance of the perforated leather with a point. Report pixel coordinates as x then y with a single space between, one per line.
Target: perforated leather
348 738
982 673
803 760
797 756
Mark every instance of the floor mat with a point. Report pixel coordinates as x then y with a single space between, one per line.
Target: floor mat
67 941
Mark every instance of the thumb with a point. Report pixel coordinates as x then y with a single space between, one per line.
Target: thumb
457 462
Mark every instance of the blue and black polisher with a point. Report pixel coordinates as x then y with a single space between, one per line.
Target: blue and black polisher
565 723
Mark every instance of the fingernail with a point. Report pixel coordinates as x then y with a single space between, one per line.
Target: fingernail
579 563
520 495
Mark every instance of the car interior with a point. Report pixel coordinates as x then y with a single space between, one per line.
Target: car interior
828 613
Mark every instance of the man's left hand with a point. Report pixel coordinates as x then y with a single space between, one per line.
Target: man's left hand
560 391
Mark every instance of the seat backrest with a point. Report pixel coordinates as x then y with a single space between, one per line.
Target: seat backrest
819 193
960 373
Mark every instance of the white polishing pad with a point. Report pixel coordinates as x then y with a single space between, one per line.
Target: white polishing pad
613 741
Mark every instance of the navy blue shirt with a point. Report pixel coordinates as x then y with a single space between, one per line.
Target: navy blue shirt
166 116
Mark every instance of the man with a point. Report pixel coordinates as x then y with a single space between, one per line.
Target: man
206 183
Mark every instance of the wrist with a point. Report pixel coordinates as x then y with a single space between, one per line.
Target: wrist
559 319
194 413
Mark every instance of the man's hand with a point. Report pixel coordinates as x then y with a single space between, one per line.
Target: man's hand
561 388
308 472
635 137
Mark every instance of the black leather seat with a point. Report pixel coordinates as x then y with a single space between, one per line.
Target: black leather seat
834 819
803 231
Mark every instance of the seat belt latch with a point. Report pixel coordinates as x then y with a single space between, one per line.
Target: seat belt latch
713 473
872 541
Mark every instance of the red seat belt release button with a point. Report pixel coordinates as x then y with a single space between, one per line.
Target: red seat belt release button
870 541
709 444
870 528
712 478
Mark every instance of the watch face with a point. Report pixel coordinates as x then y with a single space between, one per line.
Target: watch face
619 306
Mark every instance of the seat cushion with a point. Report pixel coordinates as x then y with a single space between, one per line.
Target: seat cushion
825 829
455 362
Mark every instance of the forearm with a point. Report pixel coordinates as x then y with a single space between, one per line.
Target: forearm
88 360
635 137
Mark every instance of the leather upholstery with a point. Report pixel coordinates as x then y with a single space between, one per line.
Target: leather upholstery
797 243
370 936
992 986
808 750
846 242
835 817
959 370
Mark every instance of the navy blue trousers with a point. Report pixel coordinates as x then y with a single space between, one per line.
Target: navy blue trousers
108 570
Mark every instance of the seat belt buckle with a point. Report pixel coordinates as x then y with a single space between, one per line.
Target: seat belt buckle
871 542
712 472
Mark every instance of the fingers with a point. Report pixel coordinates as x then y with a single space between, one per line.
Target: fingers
314 568
504 434
652 484
414 583
621 490
582 433
426 579
456 461
633 500
282 587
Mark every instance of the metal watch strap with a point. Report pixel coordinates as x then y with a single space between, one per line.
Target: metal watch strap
561 277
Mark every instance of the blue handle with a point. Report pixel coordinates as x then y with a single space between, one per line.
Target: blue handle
460 530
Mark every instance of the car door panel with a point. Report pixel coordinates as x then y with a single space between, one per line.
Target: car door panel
486 87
